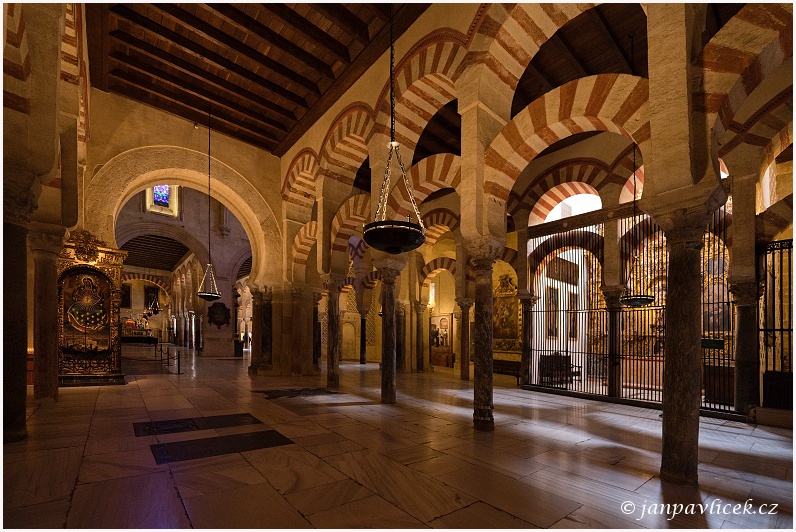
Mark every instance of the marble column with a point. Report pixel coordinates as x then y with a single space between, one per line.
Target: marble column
746 336
334 334
464 349
400 336
267 359
527 302
45 244
419 309
482 372
363 336
256 349
316 331
682 373
297 299
612 295
388 363
15 330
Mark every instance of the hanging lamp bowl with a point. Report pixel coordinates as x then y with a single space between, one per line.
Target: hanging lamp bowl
209 296
636 300
393 236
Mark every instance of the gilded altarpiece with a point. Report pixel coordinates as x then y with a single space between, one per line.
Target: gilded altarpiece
89 296
506 321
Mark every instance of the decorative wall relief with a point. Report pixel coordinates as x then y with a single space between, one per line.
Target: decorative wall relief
218 314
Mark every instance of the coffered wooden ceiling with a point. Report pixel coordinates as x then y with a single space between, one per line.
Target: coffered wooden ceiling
265 72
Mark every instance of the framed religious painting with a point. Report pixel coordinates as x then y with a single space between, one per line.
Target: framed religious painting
441 340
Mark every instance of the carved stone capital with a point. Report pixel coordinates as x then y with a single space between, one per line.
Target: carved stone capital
464 303
612 295
388 275
400 308
483 249
419 306
21 192
46 238
684 226
746 294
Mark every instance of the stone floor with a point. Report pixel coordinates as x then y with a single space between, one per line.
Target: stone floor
552 461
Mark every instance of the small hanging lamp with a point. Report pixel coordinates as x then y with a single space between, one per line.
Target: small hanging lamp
633 298
394 236
208 289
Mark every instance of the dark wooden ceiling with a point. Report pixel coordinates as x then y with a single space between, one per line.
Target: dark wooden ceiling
264 72
153 251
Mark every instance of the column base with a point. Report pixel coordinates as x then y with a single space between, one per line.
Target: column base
333 382
91 380
486 425
674 478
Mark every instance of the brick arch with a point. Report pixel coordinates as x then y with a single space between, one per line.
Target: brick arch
439 222
579 238
352 214
16 59
753 43
424 82
778 143
302 244
427 176
435 266
299 186
506 39
161 282
555 195
344 148
356 248
606 102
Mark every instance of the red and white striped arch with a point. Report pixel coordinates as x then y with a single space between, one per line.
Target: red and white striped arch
424 83
305 239
356 248
555 195
345 146
16 59
507 39
427 176
626 194
435 266
158 280
438 222
778 144
299 185
751 45
606 102
547 249
351 215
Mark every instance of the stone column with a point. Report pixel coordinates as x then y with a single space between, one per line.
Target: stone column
682 373
363 336
256 349
456 339
482 372
15 329
419 309
46 243
400 336
316 331
266 360
747 357
334 335
527 302
388 391
464 349
297 296
612 295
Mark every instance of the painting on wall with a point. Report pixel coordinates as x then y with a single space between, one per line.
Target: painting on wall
551 311
563 270
572 316
505 317
441 340
85 311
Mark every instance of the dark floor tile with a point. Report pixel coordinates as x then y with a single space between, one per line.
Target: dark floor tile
170 426
165 453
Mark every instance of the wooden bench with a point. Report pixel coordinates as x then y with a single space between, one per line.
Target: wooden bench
507 367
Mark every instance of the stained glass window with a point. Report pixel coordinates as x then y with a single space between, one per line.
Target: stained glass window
161 195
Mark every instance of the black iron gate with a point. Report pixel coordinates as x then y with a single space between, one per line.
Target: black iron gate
776 325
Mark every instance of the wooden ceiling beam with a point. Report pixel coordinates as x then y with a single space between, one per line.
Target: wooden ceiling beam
568 54
309 31
546 84
181 83
189 68
195 24
204 54
97 36
346 20
602 26
382 11
248 24
199 106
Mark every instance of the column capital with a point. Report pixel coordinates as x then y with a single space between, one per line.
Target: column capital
612 295
388 275
333 282
464 303
746 293
46 238
316 297
483 250
419 306
21 190
257 296
400 308
684 226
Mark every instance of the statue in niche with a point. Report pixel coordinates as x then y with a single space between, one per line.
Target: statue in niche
87 312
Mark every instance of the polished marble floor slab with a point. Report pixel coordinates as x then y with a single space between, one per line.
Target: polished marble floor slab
347 461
